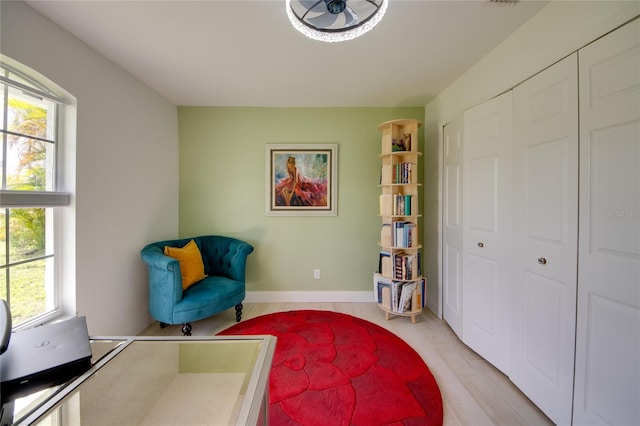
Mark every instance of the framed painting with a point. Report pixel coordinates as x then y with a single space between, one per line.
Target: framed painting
301 179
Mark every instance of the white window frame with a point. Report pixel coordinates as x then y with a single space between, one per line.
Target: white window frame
57 203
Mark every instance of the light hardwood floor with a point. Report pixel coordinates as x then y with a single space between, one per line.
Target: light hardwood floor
473 391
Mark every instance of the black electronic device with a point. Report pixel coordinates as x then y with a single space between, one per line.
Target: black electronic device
44 356
5 325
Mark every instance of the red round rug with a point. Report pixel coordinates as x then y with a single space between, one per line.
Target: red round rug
335 369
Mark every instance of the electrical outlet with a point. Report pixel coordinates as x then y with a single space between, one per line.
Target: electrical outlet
316 274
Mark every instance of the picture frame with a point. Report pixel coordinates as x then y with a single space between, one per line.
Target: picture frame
301 179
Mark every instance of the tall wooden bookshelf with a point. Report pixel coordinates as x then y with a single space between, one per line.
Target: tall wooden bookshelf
399 288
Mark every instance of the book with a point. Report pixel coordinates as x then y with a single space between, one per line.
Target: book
404 234
406 266
402 204
398 204
397 267
406 297
402 172
384 264
382 290
399 296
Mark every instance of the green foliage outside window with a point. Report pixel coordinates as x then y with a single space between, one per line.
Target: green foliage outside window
27 226
26 233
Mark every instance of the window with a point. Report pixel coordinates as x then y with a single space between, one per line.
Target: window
29 198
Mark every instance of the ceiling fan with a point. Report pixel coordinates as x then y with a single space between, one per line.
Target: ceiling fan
335 20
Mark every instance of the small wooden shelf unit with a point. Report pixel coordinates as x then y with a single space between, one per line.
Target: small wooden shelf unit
398 285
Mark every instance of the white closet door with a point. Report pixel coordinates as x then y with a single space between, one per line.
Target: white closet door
545 154
487 229
452 225
607 385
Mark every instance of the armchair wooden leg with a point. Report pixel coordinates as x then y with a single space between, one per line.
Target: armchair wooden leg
186 329
163 324
238 312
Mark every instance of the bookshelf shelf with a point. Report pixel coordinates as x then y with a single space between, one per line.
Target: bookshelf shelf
389 313
399 287
419 246
400 154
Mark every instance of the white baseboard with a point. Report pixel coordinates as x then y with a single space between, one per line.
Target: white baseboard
308 296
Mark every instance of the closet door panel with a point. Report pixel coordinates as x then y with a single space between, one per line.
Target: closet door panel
486 229
614 181
608 323
452 226
545 237
542 331
545 168
482 297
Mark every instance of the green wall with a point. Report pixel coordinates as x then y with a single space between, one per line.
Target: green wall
222 191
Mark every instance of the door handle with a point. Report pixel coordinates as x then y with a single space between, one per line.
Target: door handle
480 244
542 261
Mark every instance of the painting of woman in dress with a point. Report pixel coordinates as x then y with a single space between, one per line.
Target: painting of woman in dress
301 179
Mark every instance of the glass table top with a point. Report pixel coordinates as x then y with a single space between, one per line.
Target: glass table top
155 381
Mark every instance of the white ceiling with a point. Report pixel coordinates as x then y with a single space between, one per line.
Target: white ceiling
246 53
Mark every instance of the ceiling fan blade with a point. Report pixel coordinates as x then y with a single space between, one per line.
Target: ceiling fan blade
323 21
313 5
351 17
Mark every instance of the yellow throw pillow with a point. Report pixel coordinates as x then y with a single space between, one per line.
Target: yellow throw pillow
190 259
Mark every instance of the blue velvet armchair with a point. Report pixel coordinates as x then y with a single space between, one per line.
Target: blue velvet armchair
224 260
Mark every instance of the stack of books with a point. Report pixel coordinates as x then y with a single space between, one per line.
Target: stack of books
399 296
